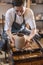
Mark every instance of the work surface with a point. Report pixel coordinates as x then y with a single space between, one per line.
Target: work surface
32 46
28 55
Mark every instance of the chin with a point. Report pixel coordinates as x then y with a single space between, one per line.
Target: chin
19 14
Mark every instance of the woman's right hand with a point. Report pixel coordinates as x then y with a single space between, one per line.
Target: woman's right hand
11 37
12 40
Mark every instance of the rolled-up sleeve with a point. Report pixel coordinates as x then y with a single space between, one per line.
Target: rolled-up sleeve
8 21
31 20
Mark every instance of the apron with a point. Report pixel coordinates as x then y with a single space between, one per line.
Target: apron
17 28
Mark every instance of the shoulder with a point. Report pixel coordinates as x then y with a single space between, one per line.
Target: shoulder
29 11
10 11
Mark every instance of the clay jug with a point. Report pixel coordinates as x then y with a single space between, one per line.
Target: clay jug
19 41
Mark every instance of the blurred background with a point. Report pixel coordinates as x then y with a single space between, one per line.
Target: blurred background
37 7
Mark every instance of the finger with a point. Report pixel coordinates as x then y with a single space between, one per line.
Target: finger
12 45
13 38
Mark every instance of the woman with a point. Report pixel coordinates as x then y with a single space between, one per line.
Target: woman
17 18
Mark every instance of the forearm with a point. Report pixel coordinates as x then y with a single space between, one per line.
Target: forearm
32 34
10 37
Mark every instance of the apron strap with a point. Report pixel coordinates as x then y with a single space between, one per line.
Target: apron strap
15 18
23 19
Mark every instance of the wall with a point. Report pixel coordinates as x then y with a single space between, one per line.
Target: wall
3 8
37 8
6 0
28 3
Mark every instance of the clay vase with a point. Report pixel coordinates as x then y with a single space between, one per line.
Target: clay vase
19 41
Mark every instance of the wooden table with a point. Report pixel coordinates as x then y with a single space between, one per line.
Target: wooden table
29 56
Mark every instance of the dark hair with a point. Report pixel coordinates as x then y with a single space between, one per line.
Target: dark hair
17 2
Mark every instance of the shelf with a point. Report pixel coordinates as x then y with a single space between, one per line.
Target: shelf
5 3
40 3
38 20
37 4
33 4
2 3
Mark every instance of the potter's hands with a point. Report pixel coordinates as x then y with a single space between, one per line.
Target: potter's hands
27 38
27 42
12 40
10 37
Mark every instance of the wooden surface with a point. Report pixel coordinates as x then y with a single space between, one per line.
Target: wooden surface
37 62
31 63
24 57
0 21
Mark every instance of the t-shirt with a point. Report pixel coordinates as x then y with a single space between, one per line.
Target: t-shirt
28 16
